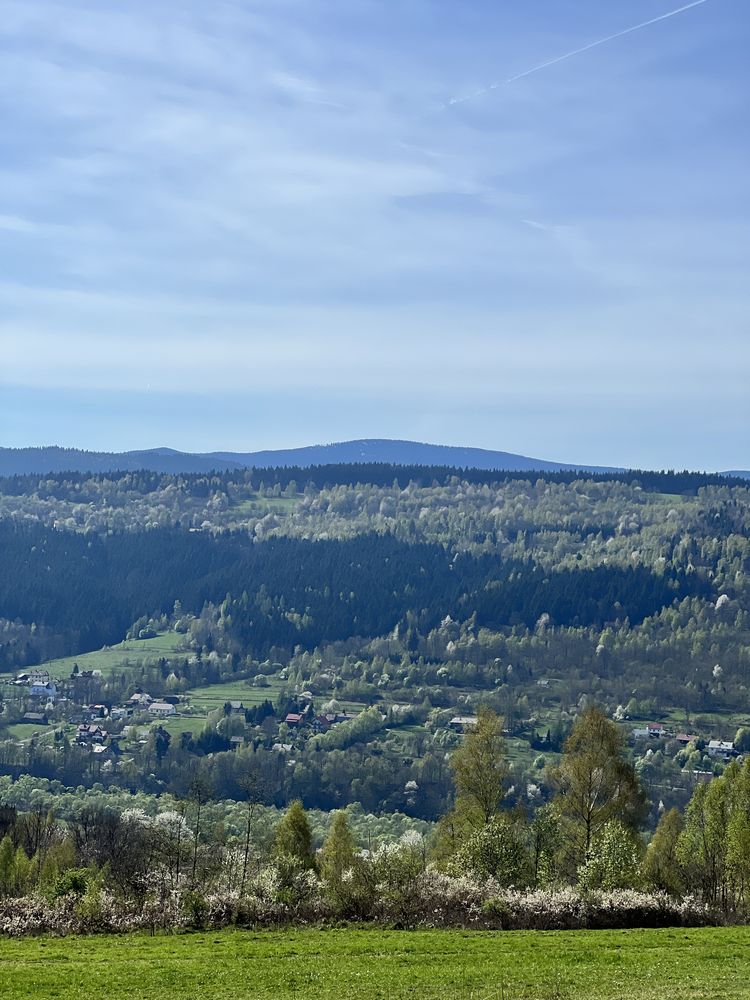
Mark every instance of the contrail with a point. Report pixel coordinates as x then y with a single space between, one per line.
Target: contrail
577 52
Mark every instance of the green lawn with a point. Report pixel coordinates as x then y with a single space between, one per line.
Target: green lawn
183 724
705 964
112 657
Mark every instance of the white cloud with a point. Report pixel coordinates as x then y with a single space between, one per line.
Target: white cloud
270 196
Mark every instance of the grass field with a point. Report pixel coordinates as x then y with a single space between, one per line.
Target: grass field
183 724
27 730
207 699
112 657
705 964
258 506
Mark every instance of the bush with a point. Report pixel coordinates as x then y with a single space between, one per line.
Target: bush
73 882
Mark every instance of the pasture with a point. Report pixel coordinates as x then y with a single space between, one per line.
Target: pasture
115 657
669 964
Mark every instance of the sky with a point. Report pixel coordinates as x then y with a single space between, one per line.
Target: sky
245 225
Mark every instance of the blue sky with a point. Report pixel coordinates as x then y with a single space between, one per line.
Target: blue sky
237 225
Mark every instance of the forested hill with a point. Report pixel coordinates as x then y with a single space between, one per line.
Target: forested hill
290 591
364 453
383 451
84 486
15 461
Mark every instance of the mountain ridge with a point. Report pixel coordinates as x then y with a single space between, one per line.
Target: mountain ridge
55 459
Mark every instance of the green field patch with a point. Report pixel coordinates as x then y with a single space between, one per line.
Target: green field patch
256 506
111 658
183 724
27 731
669 964
213 696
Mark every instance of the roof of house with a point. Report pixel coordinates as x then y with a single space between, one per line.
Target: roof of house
140 698
294 717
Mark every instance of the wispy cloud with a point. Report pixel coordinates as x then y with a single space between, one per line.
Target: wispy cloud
205 197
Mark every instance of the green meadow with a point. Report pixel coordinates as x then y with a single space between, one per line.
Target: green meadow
670 964
111 658
213 696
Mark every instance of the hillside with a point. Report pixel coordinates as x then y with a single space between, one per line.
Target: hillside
326 636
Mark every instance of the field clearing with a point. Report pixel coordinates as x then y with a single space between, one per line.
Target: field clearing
27 730
258 506
112 657
213 696
183 724
670 964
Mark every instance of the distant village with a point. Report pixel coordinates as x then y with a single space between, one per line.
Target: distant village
103 727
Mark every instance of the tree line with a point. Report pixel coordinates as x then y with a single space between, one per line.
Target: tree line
588 838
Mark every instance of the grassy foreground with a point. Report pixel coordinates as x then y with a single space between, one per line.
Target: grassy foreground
675 964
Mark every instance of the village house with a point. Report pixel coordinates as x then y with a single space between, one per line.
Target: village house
162 709
721 748
90 732
35 718
47 691
121 712
139 701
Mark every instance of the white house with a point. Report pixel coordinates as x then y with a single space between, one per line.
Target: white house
46 690
720 748
162 709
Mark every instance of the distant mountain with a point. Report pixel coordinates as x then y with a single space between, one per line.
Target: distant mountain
53 459
398 453
15 461
18 461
